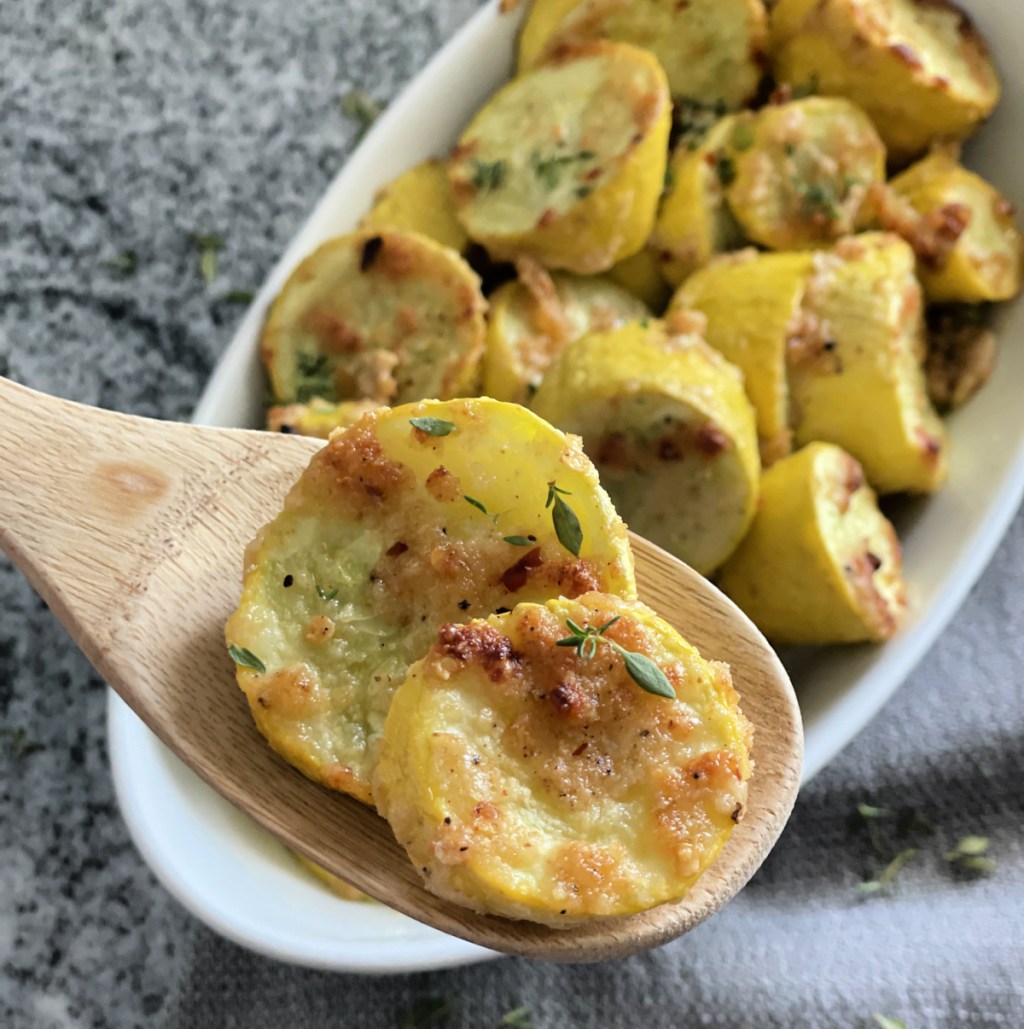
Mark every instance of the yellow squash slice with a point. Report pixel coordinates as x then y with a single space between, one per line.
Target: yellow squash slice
713 51
981 260
918 67
419 200
855 374
530 781
384 316
821 564
803 180
694 221
665 419
566 163
531 322
318 418
393 530
752 303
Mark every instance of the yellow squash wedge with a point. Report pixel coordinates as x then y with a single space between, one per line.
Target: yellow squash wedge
821 564
665 419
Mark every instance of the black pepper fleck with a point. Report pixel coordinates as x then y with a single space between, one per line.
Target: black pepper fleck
371 248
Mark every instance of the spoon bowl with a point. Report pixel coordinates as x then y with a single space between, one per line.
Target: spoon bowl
133 532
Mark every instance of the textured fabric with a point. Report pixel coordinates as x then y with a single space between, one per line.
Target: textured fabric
128 125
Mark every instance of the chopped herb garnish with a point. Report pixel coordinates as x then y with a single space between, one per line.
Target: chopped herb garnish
670 180
433 426
427 1013
867 811
358 105
520 541
19 742
325 595
642 670
473 502
125 262
692 119
549 169
742 138
208 246
884 1022
725 168
802 92
518 1018
567 525
246 658
889 873
969 855
582 192
239 296
488 175
314 377
818 199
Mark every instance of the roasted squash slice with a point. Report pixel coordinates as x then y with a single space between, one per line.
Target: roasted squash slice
530 781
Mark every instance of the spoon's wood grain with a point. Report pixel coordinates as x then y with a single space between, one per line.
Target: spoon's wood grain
133 532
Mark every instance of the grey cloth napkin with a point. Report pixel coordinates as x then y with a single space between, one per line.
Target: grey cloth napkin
127 126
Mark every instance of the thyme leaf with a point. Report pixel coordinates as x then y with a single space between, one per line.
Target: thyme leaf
125 262
358 105
518 1018
725 168
642 670
969 855
473 502
489 175
889 873
549 169
208 246
433 426
520 541
567 526
883 1022
239 296
325 595
245 658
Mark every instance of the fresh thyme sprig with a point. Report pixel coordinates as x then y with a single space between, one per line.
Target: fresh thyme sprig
642 670
567 525
969 855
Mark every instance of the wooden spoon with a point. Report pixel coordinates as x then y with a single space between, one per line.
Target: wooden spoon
133 531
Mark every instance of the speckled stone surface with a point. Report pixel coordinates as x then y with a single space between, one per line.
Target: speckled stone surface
127 126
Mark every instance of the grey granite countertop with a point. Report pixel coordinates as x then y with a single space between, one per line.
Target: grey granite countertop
126 126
